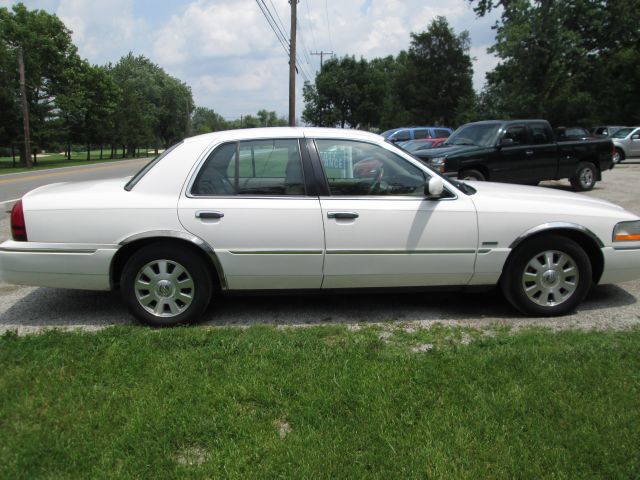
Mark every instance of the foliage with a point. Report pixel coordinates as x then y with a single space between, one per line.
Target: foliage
131 104
436 75
572 62
431 83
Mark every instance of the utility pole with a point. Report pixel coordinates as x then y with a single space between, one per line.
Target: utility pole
292 64
321 53
25 110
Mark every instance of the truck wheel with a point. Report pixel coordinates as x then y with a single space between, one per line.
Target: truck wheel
547 276
474 175
585 177
164 286
618 155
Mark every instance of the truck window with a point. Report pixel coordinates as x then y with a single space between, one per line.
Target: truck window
518 134
540 135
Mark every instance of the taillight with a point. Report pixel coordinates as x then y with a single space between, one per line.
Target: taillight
18 227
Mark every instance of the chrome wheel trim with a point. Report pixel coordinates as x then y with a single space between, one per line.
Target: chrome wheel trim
587 177
550 278
164 288
616 157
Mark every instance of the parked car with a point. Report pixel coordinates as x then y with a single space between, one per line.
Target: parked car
421 144
297 209
626 142
572 133
519 151
404 134
605 131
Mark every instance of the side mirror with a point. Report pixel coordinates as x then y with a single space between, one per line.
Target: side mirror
435 187
635 137
505 142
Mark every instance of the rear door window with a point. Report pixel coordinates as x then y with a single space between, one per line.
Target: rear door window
255 167
421 133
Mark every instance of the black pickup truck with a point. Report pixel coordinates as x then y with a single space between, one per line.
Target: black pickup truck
519 151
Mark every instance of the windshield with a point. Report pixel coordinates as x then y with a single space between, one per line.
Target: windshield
481 135
388 133
622 133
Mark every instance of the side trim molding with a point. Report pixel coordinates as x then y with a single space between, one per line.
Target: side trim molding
204 246
556 226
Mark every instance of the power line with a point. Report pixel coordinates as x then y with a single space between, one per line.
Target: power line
282 38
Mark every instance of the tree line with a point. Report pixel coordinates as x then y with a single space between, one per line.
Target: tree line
119 108
572 62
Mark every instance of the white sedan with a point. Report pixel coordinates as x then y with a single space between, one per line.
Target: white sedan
305 209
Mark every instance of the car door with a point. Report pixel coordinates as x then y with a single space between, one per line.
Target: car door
516 161
543 162
381 230
249 201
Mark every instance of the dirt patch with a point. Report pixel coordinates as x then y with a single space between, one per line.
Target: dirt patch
191 456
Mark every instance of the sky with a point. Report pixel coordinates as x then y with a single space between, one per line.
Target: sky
226 51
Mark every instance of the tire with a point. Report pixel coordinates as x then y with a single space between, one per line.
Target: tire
547 276
618 156
471 174
585 177
179 285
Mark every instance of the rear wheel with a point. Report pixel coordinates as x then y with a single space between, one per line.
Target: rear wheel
163 286
585 177
547 276
472 174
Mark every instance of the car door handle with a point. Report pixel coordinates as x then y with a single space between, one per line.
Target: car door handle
209 215
529 152
342 215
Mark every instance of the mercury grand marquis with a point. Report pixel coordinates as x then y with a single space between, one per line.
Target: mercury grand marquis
306 209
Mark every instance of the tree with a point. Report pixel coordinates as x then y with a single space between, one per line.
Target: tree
205 120
153 108
569 62
434 78
48 51
344 94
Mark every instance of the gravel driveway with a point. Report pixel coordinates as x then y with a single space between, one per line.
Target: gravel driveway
616 307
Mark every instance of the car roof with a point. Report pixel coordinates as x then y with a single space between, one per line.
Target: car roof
283 132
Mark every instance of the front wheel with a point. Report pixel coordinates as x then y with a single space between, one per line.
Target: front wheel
585 177
164 286
547 276
618 155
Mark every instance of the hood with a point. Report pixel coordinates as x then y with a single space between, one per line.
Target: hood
447 151
521 198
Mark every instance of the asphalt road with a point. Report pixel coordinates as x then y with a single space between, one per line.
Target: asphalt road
30 309
15 185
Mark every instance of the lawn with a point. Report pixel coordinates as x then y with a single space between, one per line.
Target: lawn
56 160
320 402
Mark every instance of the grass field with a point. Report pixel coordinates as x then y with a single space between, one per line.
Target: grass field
55 160
321 402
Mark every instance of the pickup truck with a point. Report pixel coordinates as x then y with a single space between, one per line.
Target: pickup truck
519 151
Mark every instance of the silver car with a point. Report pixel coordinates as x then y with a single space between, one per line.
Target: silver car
606 131
627 143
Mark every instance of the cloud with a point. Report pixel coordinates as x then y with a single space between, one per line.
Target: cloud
213 29
102 28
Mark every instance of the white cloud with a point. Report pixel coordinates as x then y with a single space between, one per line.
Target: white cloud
101 28
212 29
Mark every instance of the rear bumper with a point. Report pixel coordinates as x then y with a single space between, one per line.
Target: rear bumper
77 266
620 265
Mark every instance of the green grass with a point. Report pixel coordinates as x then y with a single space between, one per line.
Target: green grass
320 402
56 160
